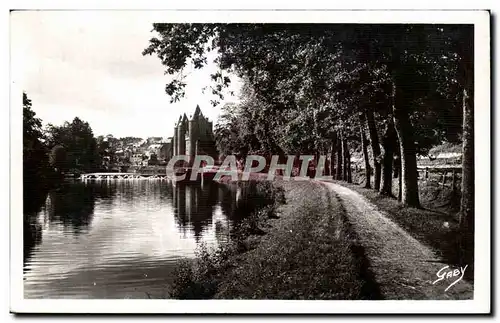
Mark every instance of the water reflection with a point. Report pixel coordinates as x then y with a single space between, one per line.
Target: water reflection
32 230
32 236
194 207
72 206
116 239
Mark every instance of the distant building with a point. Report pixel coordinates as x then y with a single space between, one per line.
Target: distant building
137 159
154 140
153 149
193 136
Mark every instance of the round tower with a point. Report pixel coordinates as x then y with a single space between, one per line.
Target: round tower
193 137
181 138
175 143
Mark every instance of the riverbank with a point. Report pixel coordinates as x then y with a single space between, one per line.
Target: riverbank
303 249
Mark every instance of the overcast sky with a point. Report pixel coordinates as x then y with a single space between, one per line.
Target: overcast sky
90 64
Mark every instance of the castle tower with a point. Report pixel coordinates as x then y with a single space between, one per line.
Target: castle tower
197 112
195 132
175 141
181 143
193 138
210 129
170 151
181 135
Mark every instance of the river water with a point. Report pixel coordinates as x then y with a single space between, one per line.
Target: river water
123 238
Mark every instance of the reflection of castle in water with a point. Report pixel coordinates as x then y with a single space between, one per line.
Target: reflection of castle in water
200 210
196 207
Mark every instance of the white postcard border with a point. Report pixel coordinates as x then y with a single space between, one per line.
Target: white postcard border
481 301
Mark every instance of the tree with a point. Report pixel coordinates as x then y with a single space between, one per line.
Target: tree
389 142
374 142
364 144
465 48
36 173
319 77
58 160
82 152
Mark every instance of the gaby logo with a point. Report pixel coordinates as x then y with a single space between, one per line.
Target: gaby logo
444 274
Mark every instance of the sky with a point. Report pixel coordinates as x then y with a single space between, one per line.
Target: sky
89 64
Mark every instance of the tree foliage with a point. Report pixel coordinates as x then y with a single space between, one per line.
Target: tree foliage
79 143
58 159
305 83
36 172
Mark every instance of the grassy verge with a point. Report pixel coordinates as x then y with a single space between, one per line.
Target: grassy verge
437 229
301 249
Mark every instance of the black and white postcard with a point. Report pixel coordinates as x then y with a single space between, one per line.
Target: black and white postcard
250 161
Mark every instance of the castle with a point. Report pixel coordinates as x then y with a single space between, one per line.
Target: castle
193 137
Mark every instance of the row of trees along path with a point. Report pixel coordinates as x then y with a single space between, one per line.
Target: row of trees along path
395 90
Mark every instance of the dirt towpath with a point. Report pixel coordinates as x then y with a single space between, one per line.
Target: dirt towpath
403 267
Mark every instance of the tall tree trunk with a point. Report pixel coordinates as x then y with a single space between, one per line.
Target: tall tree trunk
466 218
349 170
332 156
327 163
397 174
364 143
344 158
466 214
409 184
340 158
388 143
316 161
374 142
